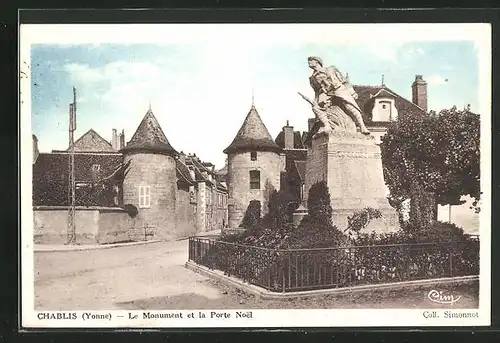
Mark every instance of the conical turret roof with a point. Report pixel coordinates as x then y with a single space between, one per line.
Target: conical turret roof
253 135
149 137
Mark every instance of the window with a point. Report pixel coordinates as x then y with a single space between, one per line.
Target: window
384 106
254 179
144 196
253 155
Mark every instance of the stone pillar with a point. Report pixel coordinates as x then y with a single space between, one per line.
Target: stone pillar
351 165
299 214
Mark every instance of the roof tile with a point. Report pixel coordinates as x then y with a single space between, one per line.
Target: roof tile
253 135
150 137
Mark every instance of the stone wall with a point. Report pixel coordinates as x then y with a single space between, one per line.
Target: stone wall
239 167
94 225
115 225
201 208
159 172
218 211
185 214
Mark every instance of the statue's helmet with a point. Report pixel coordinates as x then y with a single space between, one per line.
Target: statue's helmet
315 58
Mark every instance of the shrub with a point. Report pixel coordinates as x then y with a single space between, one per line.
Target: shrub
408 234
436 232
316 230
252 218
360 219
131 210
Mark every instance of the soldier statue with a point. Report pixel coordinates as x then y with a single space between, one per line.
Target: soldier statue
334 102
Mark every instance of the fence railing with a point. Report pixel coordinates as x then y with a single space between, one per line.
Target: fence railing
308 269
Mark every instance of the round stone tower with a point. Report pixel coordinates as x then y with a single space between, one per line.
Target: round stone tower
254 167
150 179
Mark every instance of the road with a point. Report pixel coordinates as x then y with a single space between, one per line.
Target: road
107 279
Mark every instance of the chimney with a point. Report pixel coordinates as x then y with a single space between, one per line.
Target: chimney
419 92
310 123
182 157
288 133
35 148
122 140
114 140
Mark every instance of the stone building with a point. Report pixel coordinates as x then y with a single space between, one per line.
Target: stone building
173 195
254 166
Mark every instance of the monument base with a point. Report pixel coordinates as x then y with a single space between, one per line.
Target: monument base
351 165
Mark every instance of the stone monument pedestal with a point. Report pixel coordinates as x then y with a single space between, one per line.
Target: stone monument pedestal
351 165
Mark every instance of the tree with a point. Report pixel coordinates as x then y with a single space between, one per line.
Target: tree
252 219
319 204
316 230
277 215
432 160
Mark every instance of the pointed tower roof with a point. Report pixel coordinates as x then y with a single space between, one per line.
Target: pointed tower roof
149 137
253 135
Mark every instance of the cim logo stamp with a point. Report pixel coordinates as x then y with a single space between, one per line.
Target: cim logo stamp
441 298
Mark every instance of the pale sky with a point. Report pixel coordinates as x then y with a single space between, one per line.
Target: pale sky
199 78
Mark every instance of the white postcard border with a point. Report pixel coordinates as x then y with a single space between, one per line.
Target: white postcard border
155 33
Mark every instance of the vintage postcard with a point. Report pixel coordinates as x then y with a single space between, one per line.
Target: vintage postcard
255 175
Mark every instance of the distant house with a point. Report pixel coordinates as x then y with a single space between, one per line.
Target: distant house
381 105
95 160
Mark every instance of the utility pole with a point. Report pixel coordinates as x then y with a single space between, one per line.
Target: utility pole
71 237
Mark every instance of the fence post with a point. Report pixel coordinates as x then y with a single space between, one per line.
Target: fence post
268 270
283 272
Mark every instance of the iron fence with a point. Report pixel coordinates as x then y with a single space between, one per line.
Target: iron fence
307 269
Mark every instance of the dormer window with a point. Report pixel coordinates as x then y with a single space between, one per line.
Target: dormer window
253 156
96 168
384 112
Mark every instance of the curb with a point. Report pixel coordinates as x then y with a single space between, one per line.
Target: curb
92 247
201 235
267 295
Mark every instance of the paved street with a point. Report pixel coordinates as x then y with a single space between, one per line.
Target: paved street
152 276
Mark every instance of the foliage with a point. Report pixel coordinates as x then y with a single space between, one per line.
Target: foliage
409 234
131 210
316 230
319 204
252 218
432 159
360 219
277 216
